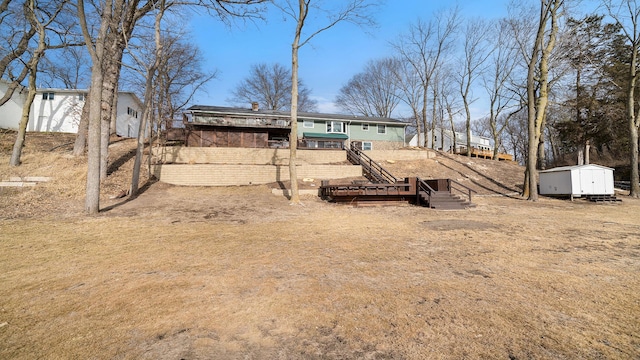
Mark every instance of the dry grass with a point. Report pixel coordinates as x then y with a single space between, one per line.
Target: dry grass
237 273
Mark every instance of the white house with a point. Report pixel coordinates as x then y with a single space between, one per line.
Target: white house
59 110
577 181
444 140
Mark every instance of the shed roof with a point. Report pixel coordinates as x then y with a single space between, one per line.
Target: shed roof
219 110
575 167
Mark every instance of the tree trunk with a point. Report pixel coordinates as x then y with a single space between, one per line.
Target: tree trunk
24 120
434 112
109 105
587 149
425 126
293 137
468 125
92 201
634 180
303 10
542 161
104 146
538 104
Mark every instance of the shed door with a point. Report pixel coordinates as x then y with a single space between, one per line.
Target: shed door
592 182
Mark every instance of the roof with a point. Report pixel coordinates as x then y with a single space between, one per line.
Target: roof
204 109
79 91
575 167
325 136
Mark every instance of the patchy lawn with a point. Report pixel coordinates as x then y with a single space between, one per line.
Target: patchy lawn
238 273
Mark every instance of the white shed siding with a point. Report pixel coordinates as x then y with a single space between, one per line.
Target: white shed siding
556 183
577 181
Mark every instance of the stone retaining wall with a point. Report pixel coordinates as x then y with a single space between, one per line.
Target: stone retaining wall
210 166
213 155
237 174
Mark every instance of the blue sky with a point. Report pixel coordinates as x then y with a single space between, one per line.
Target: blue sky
326 63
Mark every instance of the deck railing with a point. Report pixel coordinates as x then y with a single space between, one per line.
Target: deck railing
423 187
371 168
454 185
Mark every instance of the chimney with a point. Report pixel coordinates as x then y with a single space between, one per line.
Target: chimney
255 106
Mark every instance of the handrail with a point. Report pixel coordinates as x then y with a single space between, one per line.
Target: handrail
381 174
423 186
469 190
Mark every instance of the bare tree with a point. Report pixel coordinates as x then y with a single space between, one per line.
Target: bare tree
449 103
41 20
626 14
373 92
410 92
476 50
515 135
148 97
496 82
538 87
354 11
180 76
68 69
424 47
270 86
117 22
16 36
96 50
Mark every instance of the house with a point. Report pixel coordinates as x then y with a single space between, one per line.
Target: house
444 140
577 181
255 128
480 145
59 110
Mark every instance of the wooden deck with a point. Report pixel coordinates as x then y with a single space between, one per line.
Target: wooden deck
383 187
434 193
485 154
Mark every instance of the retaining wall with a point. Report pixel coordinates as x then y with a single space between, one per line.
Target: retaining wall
210 166
252 156
242 174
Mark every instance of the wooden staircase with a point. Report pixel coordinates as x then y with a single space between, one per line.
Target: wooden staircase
608 199
437 194
384 187
370 169
444 200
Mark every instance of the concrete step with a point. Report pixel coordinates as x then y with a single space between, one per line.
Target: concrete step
17 183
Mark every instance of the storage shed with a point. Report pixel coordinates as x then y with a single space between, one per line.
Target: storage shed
577 181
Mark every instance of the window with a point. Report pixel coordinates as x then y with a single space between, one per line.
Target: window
47 96
382 129
335 127
366 145
365 127
82 96
307 124
132 112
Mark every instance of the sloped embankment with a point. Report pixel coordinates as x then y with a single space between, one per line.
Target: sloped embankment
486 177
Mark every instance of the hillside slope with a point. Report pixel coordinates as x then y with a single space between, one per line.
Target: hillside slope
48 155
486 177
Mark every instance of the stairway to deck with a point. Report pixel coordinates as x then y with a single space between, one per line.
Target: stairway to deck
609 199
373 171
444 200
384 187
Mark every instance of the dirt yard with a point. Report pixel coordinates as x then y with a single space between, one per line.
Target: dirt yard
238 273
